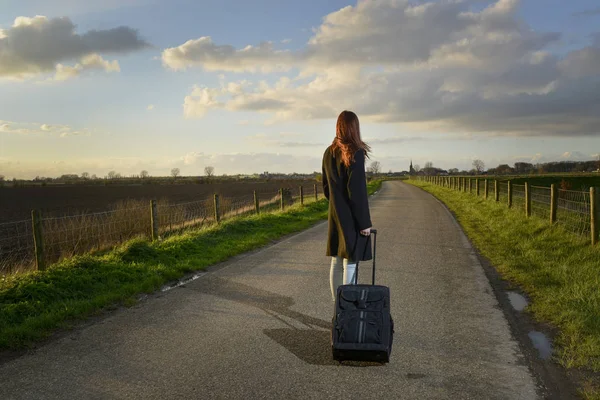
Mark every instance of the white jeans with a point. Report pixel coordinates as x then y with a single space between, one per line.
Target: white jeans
341 273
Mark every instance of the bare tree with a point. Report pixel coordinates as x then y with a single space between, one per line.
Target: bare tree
85 175
112 175
416 167
478 165
144 174
209 171
175 172
375 168
428 165
94 177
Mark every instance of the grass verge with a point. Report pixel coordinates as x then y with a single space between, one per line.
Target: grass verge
35 304
559 271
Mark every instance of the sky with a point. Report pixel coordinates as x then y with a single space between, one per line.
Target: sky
248 87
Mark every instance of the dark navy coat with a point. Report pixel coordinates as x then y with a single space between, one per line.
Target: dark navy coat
346 190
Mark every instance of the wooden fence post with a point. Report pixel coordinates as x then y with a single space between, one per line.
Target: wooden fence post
38 239
316 193
477 187
465 184
510 194
154 219
594 215
217 213
486 189
301 196
553 203
281 198
527 200
256 203
496 191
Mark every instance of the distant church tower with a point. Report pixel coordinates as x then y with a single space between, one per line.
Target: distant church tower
412 170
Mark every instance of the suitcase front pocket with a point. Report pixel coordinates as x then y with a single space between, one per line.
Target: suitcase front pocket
362 299
360 327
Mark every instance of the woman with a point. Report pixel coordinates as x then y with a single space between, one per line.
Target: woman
345 186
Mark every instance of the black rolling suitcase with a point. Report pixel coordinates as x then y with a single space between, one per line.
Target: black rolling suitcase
363 327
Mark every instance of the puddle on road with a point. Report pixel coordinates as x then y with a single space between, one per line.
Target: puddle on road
517 301
183 282
541 343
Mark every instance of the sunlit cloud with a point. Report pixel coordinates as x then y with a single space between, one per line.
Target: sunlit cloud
455 70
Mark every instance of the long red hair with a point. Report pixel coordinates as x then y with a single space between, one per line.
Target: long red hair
347 138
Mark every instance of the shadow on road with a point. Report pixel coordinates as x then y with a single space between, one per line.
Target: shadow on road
312 346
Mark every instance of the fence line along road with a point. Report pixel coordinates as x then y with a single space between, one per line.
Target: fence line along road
36 243
577 211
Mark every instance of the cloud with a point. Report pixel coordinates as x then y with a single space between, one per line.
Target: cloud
432 66
192 158
34 128
581 63
192 164
200 101
576 156
212 57
234 163
38 45
264 140
88 63
70 133
369 34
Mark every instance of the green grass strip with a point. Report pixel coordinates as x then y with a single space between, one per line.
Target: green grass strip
33 305
559 271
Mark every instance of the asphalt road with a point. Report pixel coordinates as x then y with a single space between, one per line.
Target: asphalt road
258 327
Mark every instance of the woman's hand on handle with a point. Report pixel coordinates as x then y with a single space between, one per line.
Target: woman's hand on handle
366 232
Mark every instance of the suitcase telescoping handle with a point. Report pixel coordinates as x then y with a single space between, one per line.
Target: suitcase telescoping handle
374 233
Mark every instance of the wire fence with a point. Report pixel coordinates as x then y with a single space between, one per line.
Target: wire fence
573 209
541 198
518 196
16 246
66 236
174 218
503 192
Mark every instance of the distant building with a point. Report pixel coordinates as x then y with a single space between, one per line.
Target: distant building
412 170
